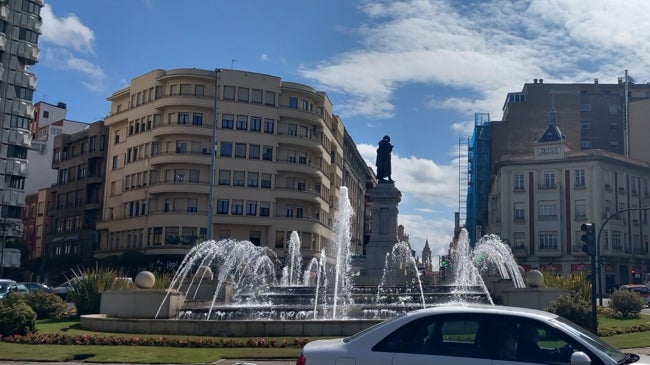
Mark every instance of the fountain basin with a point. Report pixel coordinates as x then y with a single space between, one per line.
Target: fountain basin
246 328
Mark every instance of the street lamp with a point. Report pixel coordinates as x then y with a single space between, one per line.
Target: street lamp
213 148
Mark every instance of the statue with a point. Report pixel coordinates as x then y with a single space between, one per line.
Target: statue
383 160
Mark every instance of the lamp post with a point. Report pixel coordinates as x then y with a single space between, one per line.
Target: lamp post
208 232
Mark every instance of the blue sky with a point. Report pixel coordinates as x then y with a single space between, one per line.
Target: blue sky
415 70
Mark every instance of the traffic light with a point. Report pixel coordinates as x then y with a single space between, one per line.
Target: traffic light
588 238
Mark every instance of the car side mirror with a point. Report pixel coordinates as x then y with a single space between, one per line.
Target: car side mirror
580 358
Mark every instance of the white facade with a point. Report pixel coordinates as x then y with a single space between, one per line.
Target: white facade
538 203
49 121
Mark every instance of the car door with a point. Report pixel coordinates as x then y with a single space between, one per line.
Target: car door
445 339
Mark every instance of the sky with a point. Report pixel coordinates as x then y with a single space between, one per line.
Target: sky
416 70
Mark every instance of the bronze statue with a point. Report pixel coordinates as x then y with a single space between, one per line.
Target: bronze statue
383 160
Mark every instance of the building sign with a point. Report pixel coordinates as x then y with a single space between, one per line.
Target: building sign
580 267
552 268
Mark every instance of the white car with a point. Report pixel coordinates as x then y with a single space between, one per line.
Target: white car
469 335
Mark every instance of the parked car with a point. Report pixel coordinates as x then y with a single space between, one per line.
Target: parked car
34 286
65 288
641 289
5 286
471 334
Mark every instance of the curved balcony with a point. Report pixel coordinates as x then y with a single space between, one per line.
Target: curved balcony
304 195
301 115
312 143
23 78
185 129
4 12
186 101
188 158
3 43
306 169
184 187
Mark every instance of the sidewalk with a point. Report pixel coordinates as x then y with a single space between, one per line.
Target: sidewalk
219 362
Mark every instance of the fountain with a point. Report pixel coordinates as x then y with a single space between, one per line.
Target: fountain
325 298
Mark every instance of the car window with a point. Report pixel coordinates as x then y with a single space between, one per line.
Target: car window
447 335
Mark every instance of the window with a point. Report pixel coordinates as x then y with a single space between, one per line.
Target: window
269 98
242 94
585 107
519 212
242 122
547 210
299 212
226 149
237 207
199 90
613 108
293 130
238 178
181 147
227 121
194 176
27 35
20 122
579 178
253 178
256 124
580 209
254 152
224 177
228 93
268 125
197 119
549 179
186 89
31 7
222 206
265 209
115 162
251 207
293 103
585 144
518 182
288 211
585 125
192 205
240 150
256 96
266 181
267 153
548 241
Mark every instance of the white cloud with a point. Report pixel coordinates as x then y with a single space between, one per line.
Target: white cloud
62 59
67 32
264 57
68 39
484 49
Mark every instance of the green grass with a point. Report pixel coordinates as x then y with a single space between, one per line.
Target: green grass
179 355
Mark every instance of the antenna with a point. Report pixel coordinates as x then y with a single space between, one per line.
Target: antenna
232 63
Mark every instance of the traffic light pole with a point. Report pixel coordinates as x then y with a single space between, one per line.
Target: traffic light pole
589 247
600 231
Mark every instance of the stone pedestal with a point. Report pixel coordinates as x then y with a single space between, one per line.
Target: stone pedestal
141 303
384 197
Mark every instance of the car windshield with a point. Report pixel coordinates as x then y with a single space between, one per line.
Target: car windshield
4 287
590 338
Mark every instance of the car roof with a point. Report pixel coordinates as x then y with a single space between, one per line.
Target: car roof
485 308
634 286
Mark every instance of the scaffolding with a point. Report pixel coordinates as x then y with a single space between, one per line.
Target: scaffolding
463 178
479 170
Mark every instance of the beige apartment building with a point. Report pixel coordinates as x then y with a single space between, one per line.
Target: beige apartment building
278 163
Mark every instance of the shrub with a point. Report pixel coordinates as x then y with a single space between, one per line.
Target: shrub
46 305
627 303
86 293
573 308
16 317
575 282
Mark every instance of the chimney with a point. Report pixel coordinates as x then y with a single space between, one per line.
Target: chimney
541 81
596 80
534 81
